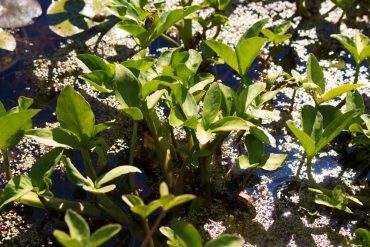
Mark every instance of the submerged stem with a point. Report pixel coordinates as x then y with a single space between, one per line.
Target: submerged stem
6 164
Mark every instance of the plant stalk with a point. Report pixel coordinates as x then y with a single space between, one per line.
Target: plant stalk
147 231
293 99
89 168
170 40
6 164
154 228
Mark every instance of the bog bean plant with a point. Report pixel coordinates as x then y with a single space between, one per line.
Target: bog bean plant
197 103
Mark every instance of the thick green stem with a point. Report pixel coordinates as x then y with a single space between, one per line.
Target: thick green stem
154 228
170 40
311 179
6 164
89 168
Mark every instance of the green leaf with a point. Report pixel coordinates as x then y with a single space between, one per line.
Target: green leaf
246 51
306 141
73 175
145 210
349 45
337 91
244 163
128 88
99 80
225 53
134 112
74 113
24 103
263 135
178 200
153 99
312 122
230 123
212 105
365 53
329 113
229 100
250 93
11 126
64 239
255 29
44 167
200 81
101 190
255 149
14 189
333 129
89 63
271 162
163 189
282 28
314 73
103 234
182 234
168 19
225 240
78 228
115 173
136 30
132 200
355 102
2 109
186 100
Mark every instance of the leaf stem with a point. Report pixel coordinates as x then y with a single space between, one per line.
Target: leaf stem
89 168
170 40
154 228
6 164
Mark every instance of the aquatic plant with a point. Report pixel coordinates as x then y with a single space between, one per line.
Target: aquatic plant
196 103
186 235
79 232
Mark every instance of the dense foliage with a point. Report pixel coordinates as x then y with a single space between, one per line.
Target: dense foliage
208 111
